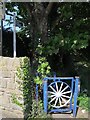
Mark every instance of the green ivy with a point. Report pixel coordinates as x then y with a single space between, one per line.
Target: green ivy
14 100
32 109
24 74
43 67
84 101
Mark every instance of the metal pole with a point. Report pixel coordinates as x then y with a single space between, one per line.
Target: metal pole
45 96
75 96
2 16
14 35
1 25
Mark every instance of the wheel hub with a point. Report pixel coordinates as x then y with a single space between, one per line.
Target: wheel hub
58 94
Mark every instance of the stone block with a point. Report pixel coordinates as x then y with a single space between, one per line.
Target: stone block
9 63
0 100
1 93
5 99
3 62
3 83
12 75
6 74
4 68
0 73
11 115
13 63
0 80
11 84
16 107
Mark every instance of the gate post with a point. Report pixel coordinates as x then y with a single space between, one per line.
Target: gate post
75 96
45 95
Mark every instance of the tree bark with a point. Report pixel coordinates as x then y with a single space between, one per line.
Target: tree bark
39 24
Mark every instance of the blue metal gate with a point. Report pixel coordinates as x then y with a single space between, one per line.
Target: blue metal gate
58 94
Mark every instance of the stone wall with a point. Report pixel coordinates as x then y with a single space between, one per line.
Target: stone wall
10 91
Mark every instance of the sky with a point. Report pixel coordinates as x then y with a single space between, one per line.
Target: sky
8 20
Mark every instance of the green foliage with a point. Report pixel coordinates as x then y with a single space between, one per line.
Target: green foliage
24 74
37 110
32 108
83 69
71 42
43 66
84 101
68 35
14 100
43 70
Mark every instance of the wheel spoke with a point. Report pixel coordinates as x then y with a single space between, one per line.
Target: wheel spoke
66 92
63 100
56 102
51 92
65 96
52 88
59 94
56 86
59 101
52 100
51 96
64 88
61 87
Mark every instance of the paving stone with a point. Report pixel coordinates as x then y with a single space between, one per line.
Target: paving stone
8 114
67 116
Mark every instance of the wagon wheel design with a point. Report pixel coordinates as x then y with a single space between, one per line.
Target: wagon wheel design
59 94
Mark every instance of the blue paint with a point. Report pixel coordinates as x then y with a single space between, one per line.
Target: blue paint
75 97
37 92
74 81
59 78
60 110
54 76
45 96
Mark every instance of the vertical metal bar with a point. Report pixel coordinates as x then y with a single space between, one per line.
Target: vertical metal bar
45 95
54 73
75 97
1 25
37 93
36 90
72 93
14 35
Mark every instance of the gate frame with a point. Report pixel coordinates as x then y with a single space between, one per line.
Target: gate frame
75 80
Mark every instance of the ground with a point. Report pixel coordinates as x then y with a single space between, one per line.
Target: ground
81 113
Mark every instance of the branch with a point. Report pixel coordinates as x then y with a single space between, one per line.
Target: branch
48 9
26 4
29 8
9 13
55 24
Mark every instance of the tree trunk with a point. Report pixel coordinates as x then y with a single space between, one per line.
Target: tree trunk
39 22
